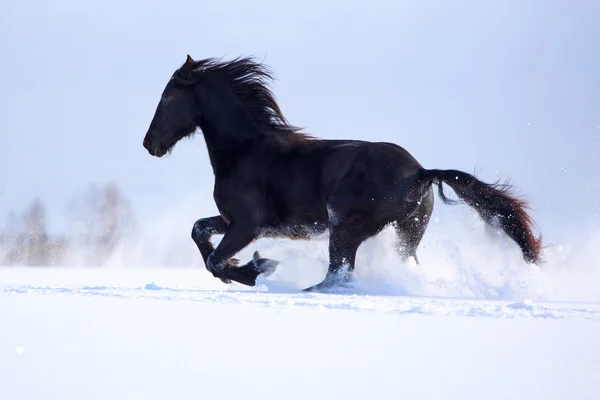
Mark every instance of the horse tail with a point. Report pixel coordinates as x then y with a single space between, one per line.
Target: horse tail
495 203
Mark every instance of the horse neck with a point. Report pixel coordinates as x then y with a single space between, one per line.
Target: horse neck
228 128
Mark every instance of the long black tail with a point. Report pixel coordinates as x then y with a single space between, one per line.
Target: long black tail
494 203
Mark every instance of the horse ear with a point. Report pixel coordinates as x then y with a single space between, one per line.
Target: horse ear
185 72
189 62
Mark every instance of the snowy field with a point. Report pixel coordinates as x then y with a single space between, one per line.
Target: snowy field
417 332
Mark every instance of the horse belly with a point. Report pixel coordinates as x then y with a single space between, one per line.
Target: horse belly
300 231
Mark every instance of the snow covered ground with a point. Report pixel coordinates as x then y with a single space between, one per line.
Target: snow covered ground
138 333
472 321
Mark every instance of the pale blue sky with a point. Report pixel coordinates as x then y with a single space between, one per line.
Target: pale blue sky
508 87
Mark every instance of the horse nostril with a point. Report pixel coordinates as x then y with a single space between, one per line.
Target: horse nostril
146 143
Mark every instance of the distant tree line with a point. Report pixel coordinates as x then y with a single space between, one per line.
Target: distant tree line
97 220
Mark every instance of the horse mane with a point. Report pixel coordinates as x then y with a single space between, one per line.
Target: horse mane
249 80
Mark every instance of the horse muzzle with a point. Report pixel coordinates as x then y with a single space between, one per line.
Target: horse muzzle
154 150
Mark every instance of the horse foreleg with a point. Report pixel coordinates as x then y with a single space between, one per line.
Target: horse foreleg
203 231
221 264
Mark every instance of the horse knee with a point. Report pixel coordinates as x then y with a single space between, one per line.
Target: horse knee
202 229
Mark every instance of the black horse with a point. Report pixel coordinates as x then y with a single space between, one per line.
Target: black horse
273 180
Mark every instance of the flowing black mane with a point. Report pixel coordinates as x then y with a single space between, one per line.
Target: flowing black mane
249 80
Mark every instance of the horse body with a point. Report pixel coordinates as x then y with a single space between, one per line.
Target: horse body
346 188
271 181
302 186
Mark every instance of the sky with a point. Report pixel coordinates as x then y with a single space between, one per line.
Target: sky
509 89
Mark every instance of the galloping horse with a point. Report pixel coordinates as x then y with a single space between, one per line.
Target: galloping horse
273 180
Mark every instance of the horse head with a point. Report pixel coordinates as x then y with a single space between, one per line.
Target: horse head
177 113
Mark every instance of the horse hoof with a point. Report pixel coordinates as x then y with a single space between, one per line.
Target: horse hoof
264 266
312 289
323 286
320 288
334 281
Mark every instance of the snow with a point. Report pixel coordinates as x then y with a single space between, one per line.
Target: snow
471 321
126 333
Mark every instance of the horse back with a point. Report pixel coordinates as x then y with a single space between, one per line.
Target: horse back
301 181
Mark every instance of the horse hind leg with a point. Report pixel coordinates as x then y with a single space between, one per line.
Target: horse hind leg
344 241
410 231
